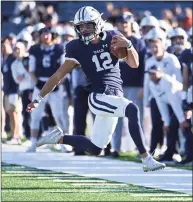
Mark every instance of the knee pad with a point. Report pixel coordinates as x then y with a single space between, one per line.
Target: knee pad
95 150
132 112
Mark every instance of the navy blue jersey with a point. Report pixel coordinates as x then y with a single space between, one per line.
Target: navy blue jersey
98 64
9 85
133 77
47 60
186 58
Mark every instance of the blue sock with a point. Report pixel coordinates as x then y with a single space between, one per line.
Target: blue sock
82 143
132 113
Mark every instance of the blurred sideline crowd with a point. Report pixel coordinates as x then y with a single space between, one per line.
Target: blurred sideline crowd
161 86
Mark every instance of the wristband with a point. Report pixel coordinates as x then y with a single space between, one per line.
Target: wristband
129 47
184 95
38 99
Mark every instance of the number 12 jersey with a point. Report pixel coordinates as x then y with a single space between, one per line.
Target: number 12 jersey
100 66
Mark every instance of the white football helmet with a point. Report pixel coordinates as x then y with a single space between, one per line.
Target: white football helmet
149 21
88 14
38 26
165 26
156 33
178 31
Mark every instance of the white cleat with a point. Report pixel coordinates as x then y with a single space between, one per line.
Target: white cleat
150 164
52 137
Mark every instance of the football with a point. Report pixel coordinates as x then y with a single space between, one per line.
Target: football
118 52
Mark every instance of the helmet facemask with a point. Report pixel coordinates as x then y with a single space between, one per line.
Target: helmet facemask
92 17
88 35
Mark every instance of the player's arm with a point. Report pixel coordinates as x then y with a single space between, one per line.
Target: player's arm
132 58
52 82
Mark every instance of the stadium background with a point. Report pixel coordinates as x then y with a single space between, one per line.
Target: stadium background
66 10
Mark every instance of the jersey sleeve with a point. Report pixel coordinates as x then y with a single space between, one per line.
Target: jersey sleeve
70 53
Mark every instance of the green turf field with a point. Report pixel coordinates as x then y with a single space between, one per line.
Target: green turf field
20 183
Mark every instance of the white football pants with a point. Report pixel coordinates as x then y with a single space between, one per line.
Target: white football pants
107 109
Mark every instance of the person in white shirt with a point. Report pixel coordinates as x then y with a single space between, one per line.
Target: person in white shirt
171 66
21 76
146 25
168 91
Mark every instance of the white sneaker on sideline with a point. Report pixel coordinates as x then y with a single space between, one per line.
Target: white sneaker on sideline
14 141
51 138
32 148
150 164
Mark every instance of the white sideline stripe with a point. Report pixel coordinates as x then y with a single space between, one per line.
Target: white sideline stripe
171 199
154 194
163 179
138 175
99 184
96 181
85 167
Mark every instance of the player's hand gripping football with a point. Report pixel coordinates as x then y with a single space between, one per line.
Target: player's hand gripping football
34 104
119 41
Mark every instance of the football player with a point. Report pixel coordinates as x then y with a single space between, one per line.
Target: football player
167 91
44 59
171 66
179 41
92 51
146 24
187 65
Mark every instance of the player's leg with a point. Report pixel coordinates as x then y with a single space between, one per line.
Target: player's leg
12 108
107 105
114 106
36 116
157 126
102 132
116 141
26 115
